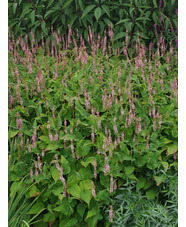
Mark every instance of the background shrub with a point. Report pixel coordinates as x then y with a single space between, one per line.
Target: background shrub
149 18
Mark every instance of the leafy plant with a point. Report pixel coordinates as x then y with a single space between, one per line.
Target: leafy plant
83 120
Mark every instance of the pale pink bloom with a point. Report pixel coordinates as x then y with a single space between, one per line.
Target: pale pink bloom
111 214
54 116
115 143
34 138
122 136
98 151
92 135
29 149
134 138
72 149
39 163
43 152
139 126
56 136
71 130
50 136
111 183
149 112
93 189
157 115
36 172
31 174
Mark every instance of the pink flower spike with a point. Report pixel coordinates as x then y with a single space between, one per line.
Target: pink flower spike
56 136
31 174
93 189
111 214
36 172
98 151
111 183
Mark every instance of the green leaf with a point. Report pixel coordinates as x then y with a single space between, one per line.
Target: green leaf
13 133
122 21
87 10
55 173
67 223
20 168
86 195
106 9
172 2
120 35
91 213
104 196
32 192
14 7
72 222
84 146
44 29
65 208
45 139
155 4
88 161
65 165
172 149
81 209
81 5
165 165
97 13
85 185
50 3
151 193
74 190
142 18
67 3
26 10
141 183
36 208
159 179
49 217
52 146
129 170
32 16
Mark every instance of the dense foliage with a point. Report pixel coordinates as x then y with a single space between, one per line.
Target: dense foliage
146 16
82 124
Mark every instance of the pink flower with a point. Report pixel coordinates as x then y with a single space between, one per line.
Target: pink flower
111 214
39 163
36 172
31 174
34 138
56 136
29 149
92 134
122 136
93 189
98 151
72 149
95 165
